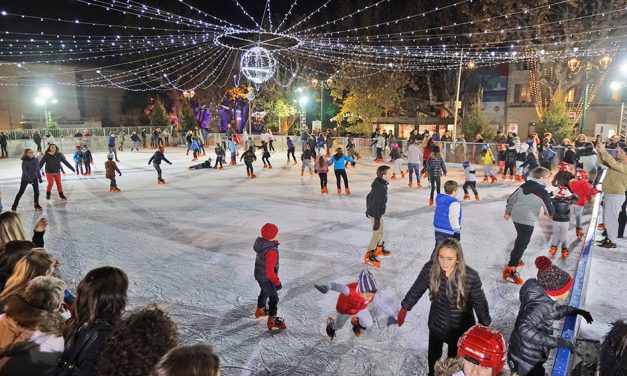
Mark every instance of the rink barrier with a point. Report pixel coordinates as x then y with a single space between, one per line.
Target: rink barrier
570 329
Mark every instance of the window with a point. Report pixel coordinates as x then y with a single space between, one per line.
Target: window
522 94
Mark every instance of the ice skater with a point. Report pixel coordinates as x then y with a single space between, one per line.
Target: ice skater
112 149
30 176
523 208
249 157
156 160
397 159
233 150
352 304
52 159
306 160
338 160
453 304
270 141
350 150
220 155
530 163
521 156
121 139
78 160
581 187
134 141
488 161
470 180
447 219
322 169
435 167
290 150
376 203
510 161
266 248
265 157
88 160
195 148
110 169
562 202
205 164
414 159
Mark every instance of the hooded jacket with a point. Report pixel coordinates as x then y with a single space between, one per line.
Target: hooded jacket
377 199
267 261
532 338
524 204
30 169
445 319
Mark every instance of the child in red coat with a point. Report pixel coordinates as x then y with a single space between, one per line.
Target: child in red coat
266 273
353 303
584 191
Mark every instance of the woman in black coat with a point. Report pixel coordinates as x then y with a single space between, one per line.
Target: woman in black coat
30 175
455 292
53 159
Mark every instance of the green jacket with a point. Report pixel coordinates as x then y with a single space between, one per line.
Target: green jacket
615 182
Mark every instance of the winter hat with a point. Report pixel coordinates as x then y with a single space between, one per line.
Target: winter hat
269 231
553 280
563 192
581 175
563 166
366 282
394 145
77 147
466 164
110 157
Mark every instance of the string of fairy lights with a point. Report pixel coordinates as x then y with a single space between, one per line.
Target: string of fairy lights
165 50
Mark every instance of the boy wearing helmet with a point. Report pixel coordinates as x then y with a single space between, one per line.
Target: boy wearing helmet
353 303
580 186
488 161
471 180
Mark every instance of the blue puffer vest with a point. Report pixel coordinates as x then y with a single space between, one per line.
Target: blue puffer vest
440 219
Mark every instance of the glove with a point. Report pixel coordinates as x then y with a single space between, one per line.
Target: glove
457 236
279 286
322 288
561 342
148 163
401 317
585 314
377 224
119 174
392 320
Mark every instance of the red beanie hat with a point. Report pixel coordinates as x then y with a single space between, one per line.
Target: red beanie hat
553 280
269 231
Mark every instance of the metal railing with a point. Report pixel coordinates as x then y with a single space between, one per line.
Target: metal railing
570 329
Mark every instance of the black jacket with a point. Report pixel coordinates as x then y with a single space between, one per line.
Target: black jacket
87 156
445 320
30 170
53 162
3 139
307 154
510 157
82 350
134 137
530 162
157 157
261 247
532 337
248 156
569 156
37 138
377 198
562 207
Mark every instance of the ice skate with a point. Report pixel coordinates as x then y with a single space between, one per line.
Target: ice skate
252 176
381 251
215 167
62 196
485 178
430 202
347 191
288 160
295 161
500 171
357 328
607 243
339 191
276 322
269 166
310 173
521 263
467 196
261 312
418 185
110 188
248 174
601 227
371 259
116 189
302 172
518 179
565 253
321 190
477 197
393 177
510 274
553 250
194 159
329 329
503 177
37 208
264 166
402 175
511 178
410 184
492 179
579 232
221 168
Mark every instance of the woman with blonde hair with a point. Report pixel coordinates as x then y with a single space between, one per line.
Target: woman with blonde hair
38 262
456 295
11 228
31 329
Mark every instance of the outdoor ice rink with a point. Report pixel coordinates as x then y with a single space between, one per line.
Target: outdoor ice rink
187 246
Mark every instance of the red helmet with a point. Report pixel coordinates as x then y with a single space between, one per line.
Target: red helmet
483 346
563 166
581 175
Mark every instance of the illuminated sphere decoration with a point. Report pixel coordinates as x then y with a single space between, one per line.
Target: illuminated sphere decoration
258 65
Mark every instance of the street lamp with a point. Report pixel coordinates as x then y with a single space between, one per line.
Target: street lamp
470 65
302 100
44 98
315 83
575 67
189 94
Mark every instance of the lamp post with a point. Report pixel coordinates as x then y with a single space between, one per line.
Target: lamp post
315 82
302 100
575 67
457 106
44 98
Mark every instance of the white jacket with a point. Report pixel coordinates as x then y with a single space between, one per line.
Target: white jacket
414 153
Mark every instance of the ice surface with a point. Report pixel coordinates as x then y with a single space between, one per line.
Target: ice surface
187 245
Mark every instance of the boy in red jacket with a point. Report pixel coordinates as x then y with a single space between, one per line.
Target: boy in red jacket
584 191
353 303
266 273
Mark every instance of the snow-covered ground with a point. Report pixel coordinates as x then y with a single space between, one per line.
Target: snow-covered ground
187 245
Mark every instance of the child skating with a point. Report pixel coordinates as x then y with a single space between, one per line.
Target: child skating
488 161
376 203
290 150
78 157
521 156
233 150
88 160
322 169
249 157
52 159
156 160
110 169
447 219
510 161
265 157
397 160
561 220
306 160
414 159
352 304
350 149
470 180
266 248
581 187
339 167
435 167
195 148
30 176
205 164
220 155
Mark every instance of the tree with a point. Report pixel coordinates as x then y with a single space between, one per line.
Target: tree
187 119
160 117
285 113
52 125
555 119
475 122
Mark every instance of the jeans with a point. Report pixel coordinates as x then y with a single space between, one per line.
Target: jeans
523 236
472 185
434 353
307 163
338 174
218 160
268 292
487 168
38 146
414 168
266 160
23 185
379 153
323 179
233 156
134 145
398 166
158 168
78 166
52 179
87 167
435 185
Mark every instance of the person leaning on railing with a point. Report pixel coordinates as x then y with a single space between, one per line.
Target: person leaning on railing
614 187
